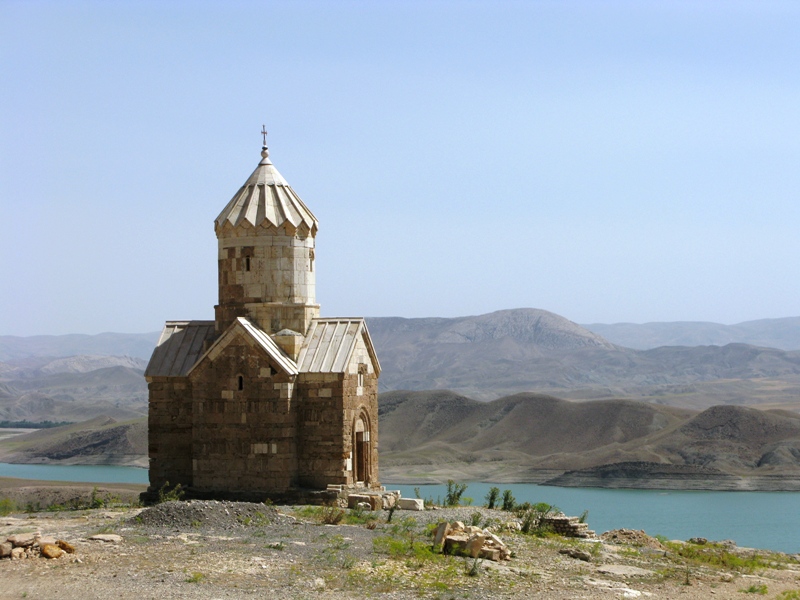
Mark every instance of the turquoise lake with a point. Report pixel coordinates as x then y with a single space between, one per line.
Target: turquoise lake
753 519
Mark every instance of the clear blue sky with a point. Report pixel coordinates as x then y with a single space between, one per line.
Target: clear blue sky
607 161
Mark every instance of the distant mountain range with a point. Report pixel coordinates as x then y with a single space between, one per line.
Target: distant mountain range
482 357
73 388
783 334
137 345
525 350
770 333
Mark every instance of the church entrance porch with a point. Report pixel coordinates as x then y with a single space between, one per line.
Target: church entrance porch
361 451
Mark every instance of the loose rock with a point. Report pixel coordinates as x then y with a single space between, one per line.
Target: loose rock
51 551
106 537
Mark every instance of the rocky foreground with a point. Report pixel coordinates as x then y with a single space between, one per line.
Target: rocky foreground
208 549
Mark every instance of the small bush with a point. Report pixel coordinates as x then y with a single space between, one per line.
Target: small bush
475 519
331 515
508 501
7 506
521 509
454 493
170 495
472 567
789 595
533 519
391 510
756 589
492 497
195 577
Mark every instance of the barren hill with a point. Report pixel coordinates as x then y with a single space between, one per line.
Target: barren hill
99 441
34 394
531 436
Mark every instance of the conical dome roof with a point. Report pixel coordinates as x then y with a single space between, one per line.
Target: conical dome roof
266 196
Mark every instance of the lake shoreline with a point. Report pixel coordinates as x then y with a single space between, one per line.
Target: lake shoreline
699 481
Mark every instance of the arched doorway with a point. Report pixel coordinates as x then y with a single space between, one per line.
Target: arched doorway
361 449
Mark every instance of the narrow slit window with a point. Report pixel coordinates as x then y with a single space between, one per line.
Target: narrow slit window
241 382
247 263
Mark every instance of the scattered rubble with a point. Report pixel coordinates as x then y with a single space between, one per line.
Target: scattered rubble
568 526
34 545
455 538
631 537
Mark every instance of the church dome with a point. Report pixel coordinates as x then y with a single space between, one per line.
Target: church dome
266 199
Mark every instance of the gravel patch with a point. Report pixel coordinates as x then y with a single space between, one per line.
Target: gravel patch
206 515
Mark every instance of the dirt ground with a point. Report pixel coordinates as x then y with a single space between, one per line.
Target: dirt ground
237 550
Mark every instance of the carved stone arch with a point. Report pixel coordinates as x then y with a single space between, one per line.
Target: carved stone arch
362 447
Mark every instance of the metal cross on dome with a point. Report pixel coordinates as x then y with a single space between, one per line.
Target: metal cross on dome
264 133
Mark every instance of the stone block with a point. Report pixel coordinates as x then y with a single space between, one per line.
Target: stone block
475 544
411 504
441 533
354 499
490 554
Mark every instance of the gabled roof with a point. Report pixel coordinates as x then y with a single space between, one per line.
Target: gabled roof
330 343
180 345
242 326
266 198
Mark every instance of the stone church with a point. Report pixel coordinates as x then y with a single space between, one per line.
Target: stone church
269 398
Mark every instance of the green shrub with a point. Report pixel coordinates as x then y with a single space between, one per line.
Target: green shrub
331 515
472 566
454 493
7 506
475 519
492 497
391 510
756 589
508 501
170 495
196 577
533 519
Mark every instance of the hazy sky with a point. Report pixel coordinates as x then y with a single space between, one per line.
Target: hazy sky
607 161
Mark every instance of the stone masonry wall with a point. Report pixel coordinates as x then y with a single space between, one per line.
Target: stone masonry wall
170 431
358 400
243 439
261 267
362 400
322 455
